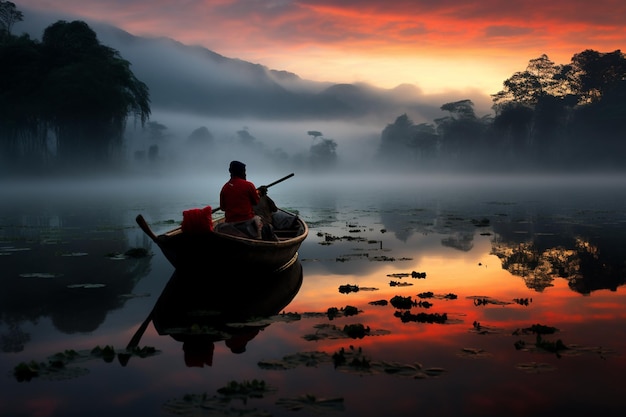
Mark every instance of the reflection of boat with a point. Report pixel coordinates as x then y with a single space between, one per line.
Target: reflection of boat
200 312
193 251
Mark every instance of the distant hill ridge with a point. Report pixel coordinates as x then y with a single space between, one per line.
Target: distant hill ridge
197 80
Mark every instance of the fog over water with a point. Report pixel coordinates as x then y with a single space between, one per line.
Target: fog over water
547 241
356 143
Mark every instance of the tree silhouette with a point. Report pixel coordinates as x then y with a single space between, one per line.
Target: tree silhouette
462 132
9 15
88 92
323 153
66 98
314 133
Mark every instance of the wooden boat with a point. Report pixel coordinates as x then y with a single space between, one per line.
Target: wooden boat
202 312
204 250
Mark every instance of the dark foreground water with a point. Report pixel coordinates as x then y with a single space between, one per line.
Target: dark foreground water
437 297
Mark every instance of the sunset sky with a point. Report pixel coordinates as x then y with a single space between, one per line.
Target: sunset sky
437 45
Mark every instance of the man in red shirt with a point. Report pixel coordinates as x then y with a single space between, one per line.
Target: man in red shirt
238 198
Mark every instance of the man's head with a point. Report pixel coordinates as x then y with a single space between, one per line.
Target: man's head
238 169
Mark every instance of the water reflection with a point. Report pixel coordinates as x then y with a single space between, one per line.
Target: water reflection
200 310
514 259
581 241
73 267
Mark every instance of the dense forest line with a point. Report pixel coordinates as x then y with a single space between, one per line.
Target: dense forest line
547 117
65 101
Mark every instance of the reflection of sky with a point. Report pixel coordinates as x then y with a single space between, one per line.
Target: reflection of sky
471 385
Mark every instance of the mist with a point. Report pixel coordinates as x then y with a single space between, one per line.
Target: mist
192 79
192 87
265 118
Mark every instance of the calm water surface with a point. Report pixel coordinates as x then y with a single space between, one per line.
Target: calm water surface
453 297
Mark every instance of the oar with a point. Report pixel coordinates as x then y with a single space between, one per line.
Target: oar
286 177
145 227
134 341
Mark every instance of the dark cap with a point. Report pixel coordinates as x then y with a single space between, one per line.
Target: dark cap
237 168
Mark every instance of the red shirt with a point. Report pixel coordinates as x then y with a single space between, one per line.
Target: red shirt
237 198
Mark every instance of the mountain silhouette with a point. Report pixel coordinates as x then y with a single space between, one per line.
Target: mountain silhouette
196 80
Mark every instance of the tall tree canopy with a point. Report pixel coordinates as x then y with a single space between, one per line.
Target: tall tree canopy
9 15
88 91
68 95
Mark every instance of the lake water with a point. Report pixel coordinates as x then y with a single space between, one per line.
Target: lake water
453 296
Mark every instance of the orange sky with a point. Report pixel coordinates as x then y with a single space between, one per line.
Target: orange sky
437 45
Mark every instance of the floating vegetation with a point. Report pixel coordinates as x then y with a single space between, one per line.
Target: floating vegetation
561 349
328 238
216 406
474 353
523 301
40 275
482 301
484 222
308 359
7 250
403 302
345 258
399 284
535 367
382 258
86 285
479 328
246 389
58 365
53 370
419 275
550 346
541 344
356 330
536 329
407 316
353 331
348 288
352 360
311 403
252 321
430 294
399 275
378 303
346 311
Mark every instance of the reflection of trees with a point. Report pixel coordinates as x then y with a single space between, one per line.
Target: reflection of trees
575 259
52 257
459 240
15 339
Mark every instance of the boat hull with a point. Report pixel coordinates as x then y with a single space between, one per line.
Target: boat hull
202 250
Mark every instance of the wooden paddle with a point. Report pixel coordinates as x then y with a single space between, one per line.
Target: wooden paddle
144 226
286 177
134 341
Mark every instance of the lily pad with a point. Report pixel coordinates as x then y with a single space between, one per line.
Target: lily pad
86 285
40 275
311 403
